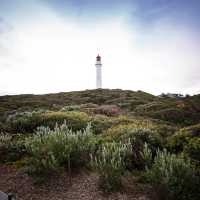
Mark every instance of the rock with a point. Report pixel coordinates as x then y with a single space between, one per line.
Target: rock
4 196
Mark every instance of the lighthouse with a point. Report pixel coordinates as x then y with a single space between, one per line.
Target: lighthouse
98 72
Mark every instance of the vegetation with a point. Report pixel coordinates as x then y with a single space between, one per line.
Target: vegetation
109 161
187 140
173 177
112 132
51 149
29 123
11 147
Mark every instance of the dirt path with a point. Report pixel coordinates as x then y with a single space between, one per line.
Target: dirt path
84 187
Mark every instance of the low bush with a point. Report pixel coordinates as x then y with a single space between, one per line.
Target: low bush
173 177
51 149
112 126
100 123
24 124
109 161
192 149
122 125
165 130
176 115
74 120
11 148
186 140
27 124
138 137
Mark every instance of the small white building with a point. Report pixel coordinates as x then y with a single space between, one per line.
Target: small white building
171 95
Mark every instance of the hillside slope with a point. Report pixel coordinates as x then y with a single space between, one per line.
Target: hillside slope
99 96
184 111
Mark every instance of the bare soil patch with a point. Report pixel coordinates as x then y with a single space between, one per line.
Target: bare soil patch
84 186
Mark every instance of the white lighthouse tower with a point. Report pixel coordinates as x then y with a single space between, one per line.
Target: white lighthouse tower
98 72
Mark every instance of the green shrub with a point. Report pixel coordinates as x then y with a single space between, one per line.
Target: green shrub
192 149
52 149
123 125
112 126
11 148
165 130
173 177
24 122
177 142
176 115
109 161
138 137
186 140
74 120
100 123
27 124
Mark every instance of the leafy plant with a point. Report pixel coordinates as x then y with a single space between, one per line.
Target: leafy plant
29 123
138 138
109 161
147 156
186 140
51 149
192 149
100 123
11 147
173 177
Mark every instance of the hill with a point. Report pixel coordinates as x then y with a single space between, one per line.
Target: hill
183 111
99 96
103 144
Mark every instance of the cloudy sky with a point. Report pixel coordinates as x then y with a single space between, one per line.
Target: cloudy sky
50 45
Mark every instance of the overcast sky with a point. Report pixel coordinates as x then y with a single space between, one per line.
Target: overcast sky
50 46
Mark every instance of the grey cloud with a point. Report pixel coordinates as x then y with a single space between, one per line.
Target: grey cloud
5 52
5 26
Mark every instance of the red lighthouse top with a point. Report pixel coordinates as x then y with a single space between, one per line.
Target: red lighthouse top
98 58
